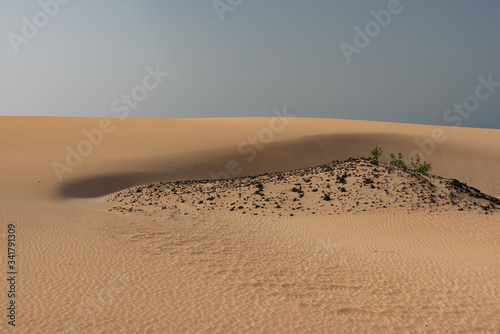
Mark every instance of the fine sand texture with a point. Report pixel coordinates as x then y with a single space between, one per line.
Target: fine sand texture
248 225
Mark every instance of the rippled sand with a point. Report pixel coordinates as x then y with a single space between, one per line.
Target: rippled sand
87 268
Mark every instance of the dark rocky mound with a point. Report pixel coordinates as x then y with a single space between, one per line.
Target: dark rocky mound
353 185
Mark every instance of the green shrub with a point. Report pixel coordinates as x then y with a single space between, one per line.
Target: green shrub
418 166
377 152
398 161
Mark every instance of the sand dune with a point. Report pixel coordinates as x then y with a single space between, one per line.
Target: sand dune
89 264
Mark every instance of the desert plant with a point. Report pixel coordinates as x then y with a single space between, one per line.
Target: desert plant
398 161
377 152
418 166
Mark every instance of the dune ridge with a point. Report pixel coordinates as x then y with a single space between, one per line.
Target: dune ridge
350 186
175 149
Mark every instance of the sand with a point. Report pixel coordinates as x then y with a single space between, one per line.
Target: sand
91 260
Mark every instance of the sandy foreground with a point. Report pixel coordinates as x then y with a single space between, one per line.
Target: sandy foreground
91 260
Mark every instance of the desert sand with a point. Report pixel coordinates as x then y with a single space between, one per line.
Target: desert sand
137 235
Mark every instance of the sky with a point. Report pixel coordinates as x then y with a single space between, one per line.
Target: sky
426 62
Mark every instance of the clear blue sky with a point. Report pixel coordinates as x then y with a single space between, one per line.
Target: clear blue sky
263 55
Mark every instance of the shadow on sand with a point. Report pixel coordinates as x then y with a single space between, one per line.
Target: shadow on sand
101 185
